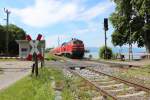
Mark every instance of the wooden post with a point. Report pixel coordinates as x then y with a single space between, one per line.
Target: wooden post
36 65
42 63
33 67
42 59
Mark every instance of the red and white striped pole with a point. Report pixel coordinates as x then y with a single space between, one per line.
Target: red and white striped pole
29 57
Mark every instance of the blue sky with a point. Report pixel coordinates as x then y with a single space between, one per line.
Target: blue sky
65 19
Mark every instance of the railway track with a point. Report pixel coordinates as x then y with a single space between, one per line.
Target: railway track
112 88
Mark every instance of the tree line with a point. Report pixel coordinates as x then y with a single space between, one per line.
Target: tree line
131 23
15 33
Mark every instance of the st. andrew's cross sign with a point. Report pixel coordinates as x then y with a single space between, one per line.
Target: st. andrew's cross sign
34 47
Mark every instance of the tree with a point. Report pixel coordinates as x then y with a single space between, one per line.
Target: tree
2 39
15 33
131 16
109 54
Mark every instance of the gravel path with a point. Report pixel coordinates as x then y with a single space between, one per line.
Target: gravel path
13 71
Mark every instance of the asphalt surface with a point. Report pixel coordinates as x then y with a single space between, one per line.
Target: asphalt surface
13 71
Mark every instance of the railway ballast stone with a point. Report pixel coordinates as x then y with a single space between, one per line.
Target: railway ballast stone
134 96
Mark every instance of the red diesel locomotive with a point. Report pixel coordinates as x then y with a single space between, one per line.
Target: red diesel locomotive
73 49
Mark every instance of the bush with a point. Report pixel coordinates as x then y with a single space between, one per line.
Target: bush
109 54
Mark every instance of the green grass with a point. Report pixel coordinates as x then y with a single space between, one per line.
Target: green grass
38 88
50 57
77 87
143 71
30 88
141 75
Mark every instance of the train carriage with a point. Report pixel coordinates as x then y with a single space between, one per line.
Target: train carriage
73 49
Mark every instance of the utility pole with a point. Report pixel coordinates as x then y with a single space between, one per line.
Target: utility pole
7 33
130 43
105 29
129 52
58 41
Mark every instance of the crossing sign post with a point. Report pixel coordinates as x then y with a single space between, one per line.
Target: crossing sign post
34 54
34 47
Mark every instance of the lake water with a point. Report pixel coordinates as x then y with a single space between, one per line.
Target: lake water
137 52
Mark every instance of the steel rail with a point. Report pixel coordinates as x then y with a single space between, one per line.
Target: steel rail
103 92
123 81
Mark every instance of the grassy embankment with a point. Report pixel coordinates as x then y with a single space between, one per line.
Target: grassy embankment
30 88
35 88
49 56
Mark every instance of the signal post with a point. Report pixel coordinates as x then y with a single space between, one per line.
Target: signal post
105 29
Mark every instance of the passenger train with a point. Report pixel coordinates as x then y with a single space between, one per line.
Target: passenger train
72 49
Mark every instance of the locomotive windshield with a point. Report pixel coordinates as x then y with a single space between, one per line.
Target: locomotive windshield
77 42
64 43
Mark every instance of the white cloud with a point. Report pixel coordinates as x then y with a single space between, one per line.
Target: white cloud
49 12
95 11
45 12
